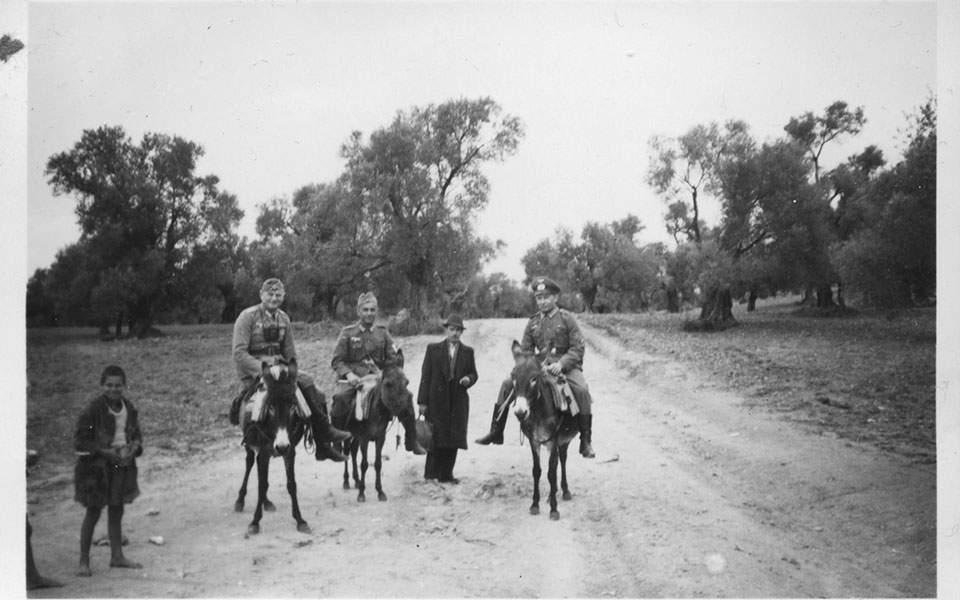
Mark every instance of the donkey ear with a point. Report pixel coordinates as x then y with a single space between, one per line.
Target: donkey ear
515 346
400 358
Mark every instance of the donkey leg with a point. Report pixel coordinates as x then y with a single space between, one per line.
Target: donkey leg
362 485
238 505
535 450
377 463
263 471
354 449
563 472
552 478
346 468
288 463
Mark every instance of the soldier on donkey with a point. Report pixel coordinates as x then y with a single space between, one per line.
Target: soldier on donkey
553 337
365 349
263 333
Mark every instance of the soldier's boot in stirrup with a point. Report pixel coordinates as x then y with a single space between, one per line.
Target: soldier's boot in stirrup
586 434
495 435
327 451
410 434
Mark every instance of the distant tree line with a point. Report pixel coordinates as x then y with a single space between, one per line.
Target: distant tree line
159 244
858 232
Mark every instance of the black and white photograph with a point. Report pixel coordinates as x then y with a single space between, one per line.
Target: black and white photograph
440 299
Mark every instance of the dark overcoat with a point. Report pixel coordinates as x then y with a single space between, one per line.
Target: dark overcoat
446 400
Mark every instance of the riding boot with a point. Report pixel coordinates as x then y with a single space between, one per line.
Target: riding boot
322 429
325 450
410 433
495 436
586 423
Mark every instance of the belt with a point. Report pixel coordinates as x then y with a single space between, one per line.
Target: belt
266 352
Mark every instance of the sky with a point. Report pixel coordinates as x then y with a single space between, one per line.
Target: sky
271 91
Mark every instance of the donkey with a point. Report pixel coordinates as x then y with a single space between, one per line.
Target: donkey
390 397
276 433
537 406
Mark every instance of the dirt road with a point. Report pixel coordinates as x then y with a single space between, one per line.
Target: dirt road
691 495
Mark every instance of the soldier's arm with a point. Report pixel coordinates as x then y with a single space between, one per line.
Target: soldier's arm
241 345
527 344
389 350
288 349
574 354
339 362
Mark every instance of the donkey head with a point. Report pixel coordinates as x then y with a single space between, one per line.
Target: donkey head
281 382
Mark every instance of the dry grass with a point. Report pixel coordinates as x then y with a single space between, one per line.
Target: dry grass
181 383
869 377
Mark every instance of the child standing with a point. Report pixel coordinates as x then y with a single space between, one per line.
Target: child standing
107 442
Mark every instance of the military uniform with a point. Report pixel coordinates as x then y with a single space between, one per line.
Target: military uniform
259 337
366 351
363 351
556 337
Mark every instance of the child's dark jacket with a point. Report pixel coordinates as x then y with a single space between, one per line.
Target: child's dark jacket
97 481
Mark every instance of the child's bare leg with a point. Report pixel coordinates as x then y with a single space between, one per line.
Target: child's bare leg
117 559
86 538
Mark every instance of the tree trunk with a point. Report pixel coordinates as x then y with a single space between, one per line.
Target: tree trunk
418 301
332 301
119 324
752 301
673 300
716 312
590 296
825 296
229 312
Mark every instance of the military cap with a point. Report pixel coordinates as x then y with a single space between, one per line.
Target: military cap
366 298
455 320
272 284
545 285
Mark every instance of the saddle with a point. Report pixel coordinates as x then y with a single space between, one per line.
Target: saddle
563 397
250 399
358 403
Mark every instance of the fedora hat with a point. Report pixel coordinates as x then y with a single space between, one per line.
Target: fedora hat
454 320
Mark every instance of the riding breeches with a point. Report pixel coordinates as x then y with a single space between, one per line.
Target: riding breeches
578 385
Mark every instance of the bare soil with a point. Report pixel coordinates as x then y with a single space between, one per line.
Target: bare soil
697 491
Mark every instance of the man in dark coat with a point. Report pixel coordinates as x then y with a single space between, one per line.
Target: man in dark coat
448 370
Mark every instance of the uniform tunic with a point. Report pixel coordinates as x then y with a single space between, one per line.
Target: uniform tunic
259 337
363 351
96 481
556 337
